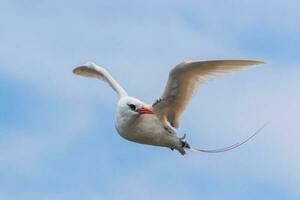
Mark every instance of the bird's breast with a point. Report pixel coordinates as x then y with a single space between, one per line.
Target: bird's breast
146 129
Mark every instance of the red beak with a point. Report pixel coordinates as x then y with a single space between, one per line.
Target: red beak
144 110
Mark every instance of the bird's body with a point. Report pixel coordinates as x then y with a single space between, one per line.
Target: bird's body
156 125
144 128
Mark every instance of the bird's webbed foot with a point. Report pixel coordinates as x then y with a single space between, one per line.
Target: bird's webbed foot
184 144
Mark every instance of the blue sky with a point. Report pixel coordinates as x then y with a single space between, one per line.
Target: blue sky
57 135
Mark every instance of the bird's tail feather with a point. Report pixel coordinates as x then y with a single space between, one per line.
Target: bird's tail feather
228 148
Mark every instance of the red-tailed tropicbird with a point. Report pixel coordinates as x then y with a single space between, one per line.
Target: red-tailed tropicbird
156 124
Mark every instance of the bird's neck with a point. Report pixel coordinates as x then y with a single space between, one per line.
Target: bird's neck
124 122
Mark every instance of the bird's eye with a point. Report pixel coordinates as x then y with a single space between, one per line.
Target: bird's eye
132 106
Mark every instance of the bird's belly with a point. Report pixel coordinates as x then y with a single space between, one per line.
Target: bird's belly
147 130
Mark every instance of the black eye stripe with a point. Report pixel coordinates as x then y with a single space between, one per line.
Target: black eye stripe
132 106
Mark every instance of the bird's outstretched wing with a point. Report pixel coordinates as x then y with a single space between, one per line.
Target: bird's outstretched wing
184 78
90 69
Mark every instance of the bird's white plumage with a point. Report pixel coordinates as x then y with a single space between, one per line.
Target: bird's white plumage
142 128
136 121
184 79
90 69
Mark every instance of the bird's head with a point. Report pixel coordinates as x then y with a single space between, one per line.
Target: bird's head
132 107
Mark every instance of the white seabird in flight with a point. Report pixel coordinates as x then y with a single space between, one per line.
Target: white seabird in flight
157 124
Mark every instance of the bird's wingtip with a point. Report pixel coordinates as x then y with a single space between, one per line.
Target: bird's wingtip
260 62
88 65
78 69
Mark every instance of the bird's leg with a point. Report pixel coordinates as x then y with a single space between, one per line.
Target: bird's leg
184 143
